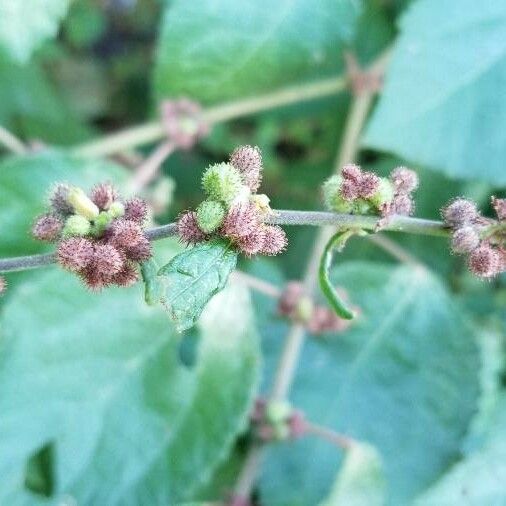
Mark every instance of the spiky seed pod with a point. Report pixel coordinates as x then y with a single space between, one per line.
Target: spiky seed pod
403 205
485 261
465 240
117 210
460 212
240 221
332 198
275 240
499 206
349 190
384 194
127 276
136 209
140 252
58 199
75 253
107 260
82 204
126 233
210 215
103 195
351 172
404 180
252 243
248 161
188 229
48 227
3 285
93 279
76 225
368 185
222 182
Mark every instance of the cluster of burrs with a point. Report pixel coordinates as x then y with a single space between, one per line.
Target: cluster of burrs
480 238
297 306
233 208
356 191
99 237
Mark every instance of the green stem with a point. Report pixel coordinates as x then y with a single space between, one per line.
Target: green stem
336 242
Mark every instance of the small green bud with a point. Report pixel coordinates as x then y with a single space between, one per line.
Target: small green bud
332 196
384 194
210 215
76 225
262 202
304 309
361 206
281 431
222 182
116 210
82 204
277 412
101 223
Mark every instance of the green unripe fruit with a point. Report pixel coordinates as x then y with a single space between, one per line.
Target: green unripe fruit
210 215
304 309
277 412
222 182
116 210
332 196
76 225
82 204
384 194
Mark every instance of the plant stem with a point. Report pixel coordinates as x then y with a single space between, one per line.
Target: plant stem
339 440
154 131
11 142
280 217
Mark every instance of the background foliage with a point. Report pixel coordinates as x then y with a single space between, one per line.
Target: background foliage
101 400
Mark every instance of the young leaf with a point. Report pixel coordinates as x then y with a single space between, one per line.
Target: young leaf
193 277
440 107
25 25
361 479
153 287
212 51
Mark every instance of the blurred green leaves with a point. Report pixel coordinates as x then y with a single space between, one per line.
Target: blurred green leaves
404 378
99 378
442 105
25 24
223 49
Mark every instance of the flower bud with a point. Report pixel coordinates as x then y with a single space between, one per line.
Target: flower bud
126 233
127 276
188 229
404 180
274 241
252 243
465 240
403 205
277 412
59 200
485 261
141 252
76 225
222 182
349 190
332 196
248 161
499 206
367 185
351 172
117 210
47 227
262 202
136 209
103 195
82 204
107 260
240 221
75 253
101 223
210 215
460 212
289 298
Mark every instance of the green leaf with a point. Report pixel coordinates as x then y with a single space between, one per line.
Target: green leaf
98 377
479 479
404 378
25 25
193 277
25 182
440 106
361 480
220 50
